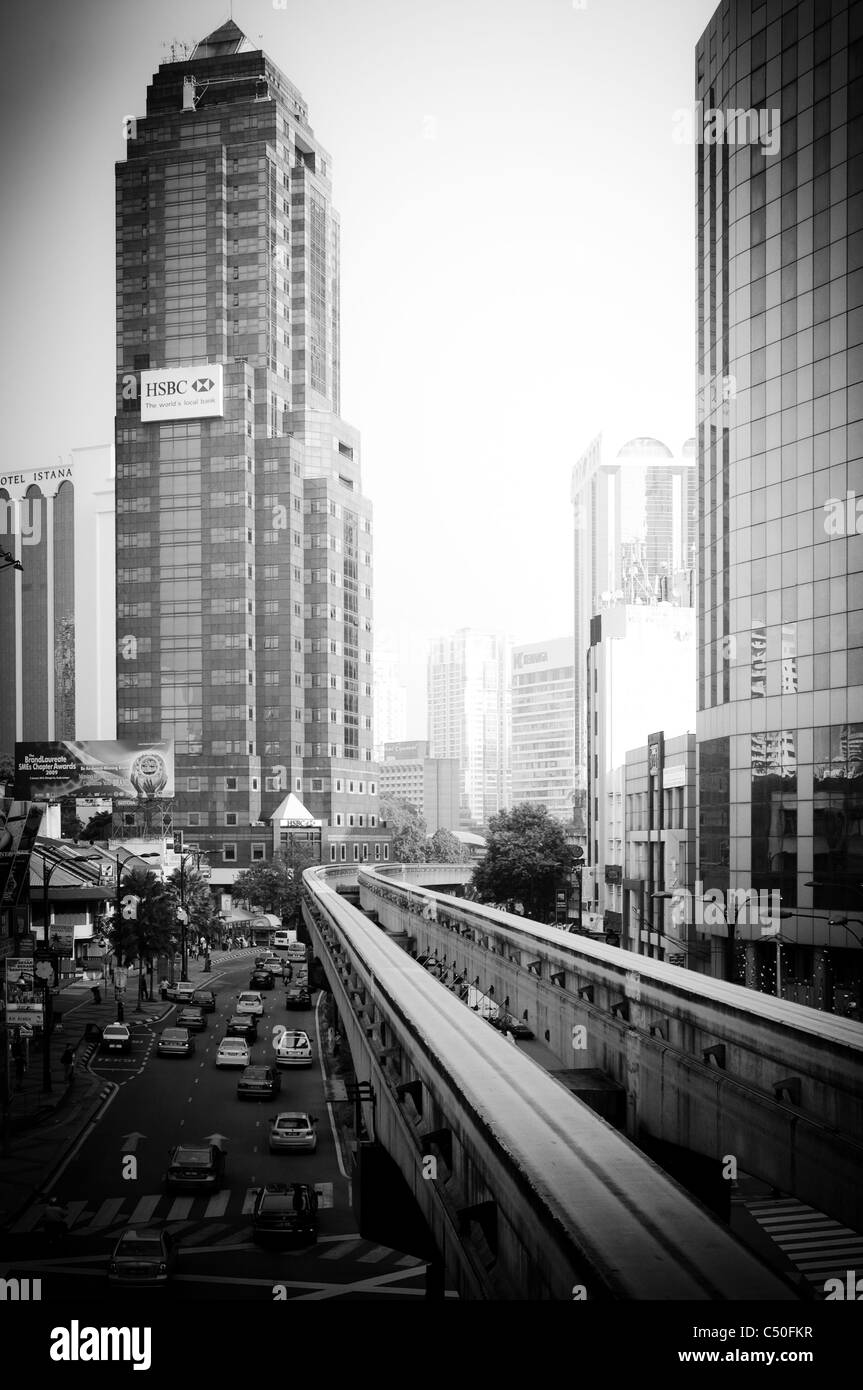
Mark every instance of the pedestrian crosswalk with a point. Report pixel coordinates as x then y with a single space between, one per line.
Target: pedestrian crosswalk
819 1247
88 1218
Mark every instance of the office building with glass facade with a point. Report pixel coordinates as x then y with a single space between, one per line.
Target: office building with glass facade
469 694
543 726
780 461
244 542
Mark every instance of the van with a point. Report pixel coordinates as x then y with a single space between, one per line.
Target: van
284 938
297 951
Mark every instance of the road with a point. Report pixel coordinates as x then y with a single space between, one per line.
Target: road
115 1178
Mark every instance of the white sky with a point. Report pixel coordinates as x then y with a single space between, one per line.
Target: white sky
517 272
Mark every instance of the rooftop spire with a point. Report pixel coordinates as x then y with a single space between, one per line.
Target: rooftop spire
224 41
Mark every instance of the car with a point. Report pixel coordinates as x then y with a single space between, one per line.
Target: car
195 1168
296 951
275 965
204 999
175 1042
265 959
144 1256
116 1037
293 1049
250 1002
507 1023
182 992
192 1018
262 979
293 1131
286 1212
298 997
258 1083
243 1026
233 1052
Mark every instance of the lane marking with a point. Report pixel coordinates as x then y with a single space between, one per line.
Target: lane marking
144 1210
342 1169
180 1209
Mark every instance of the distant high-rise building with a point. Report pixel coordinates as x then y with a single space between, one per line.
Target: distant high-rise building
244 542
469 717
634 514
433 785
390 700
543 725
56 613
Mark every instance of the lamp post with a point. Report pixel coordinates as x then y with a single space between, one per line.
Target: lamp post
781 941
844 922
132 914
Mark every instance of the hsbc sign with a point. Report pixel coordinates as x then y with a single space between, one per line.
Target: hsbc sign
182 393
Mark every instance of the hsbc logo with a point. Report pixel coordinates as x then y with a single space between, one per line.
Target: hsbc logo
184 393
178 388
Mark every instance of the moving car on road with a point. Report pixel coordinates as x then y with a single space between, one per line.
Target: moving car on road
293 1049
194 1168
298 997
243 1026
144 1256
250 1002
286 1212
204 999
182 992
258 1083
293 1131
175 1042
233 1052
262 979
192 1018
116 1037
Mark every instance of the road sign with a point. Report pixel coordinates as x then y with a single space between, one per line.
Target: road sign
26 1030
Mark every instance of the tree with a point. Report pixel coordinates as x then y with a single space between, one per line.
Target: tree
276 886
98 827
528 860
410 833
196 897
445 848
148 933
7 773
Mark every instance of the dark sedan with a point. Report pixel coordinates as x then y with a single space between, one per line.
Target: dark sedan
144 1256
192 1018
258 1083
286 1212
262 979
195 1168
242 1026
204 999
298 997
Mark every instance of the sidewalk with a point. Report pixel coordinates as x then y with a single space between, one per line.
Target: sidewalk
43 1125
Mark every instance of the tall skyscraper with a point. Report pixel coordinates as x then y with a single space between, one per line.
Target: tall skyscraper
469 693
244 543
543 725
780 454
634 516
56 624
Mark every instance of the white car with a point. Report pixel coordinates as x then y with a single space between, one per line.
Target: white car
250 1002
233 1052
294 1132
293 1049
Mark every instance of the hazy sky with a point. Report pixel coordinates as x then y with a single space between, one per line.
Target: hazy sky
517 272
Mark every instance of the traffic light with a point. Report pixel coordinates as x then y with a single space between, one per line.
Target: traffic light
178 842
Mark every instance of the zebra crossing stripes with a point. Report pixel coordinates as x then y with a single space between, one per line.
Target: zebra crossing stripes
84 1218
819 1247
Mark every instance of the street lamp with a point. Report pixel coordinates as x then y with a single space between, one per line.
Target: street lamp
145 854
781 941
183 914
844 922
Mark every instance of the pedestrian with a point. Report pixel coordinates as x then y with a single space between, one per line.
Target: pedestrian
120 1014
145 990
67 1059
163 988
96 993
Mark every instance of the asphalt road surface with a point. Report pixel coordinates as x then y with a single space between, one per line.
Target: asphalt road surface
163 1101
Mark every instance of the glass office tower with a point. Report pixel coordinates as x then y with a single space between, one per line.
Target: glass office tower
780 444
244 600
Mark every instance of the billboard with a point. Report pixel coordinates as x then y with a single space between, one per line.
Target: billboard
123 772
19 826
182 393
24 998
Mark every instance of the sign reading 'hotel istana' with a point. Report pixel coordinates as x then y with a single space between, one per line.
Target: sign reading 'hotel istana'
182 393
